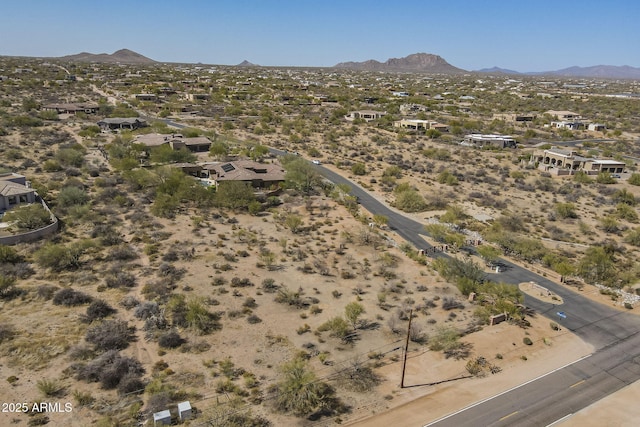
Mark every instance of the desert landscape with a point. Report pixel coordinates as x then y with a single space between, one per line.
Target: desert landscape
283 300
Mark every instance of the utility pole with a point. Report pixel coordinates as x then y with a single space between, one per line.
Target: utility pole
406 349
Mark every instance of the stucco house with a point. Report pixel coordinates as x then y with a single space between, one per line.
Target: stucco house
366 115
15 191
567 162
116 123
176 141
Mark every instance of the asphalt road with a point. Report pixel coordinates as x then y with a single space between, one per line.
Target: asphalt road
615 364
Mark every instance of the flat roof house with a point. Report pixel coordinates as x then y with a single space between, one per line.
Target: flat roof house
491 140
366 115
567 162
563 115
121 123
176 141
72 108
419 124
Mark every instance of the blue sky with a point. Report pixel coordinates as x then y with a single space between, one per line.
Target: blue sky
537 35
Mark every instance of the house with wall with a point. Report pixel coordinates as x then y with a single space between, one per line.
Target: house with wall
259 175
563 115
15 191
489 140
366 115
118 123
176 141
419 124
72 108
567 162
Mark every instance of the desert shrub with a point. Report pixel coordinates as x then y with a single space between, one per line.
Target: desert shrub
358 377
289 297
451 303
120 279
98 309
72 196
300 393
131 383
83 398
108 235
146 310
109 369
337 327
9 255
70 297
7 332
253 319
110 335
7 287
219 281
171 339
527 341
122 253
20 270
269 285
49 388
237 282
29 217
200 319
129 302
59 257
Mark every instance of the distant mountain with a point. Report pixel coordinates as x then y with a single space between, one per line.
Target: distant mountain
497 70
246 63
417 62
599 71
124 56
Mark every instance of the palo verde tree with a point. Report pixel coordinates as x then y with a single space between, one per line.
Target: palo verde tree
299 391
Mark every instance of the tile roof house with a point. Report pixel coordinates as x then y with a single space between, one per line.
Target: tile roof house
15 191
260 175
176 141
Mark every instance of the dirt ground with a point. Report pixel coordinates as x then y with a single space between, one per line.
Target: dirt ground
420 404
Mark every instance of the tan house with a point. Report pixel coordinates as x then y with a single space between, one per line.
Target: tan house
15 191
567 162
72 108
490 140
366 115
419 124
563 115
121 123
176 141
259 175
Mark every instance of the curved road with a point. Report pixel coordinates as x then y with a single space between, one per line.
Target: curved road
614 334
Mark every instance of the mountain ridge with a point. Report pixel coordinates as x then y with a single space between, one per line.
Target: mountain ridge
417 62
124 56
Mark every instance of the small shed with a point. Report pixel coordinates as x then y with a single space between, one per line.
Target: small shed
162 418
184 410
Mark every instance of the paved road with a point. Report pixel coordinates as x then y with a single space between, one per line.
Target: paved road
614 334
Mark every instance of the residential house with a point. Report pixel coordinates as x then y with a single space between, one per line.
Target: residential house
562 115
72 108
259 175
567 162
117 123
490 140
366 115
15 191
176 141
516 117
419 124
